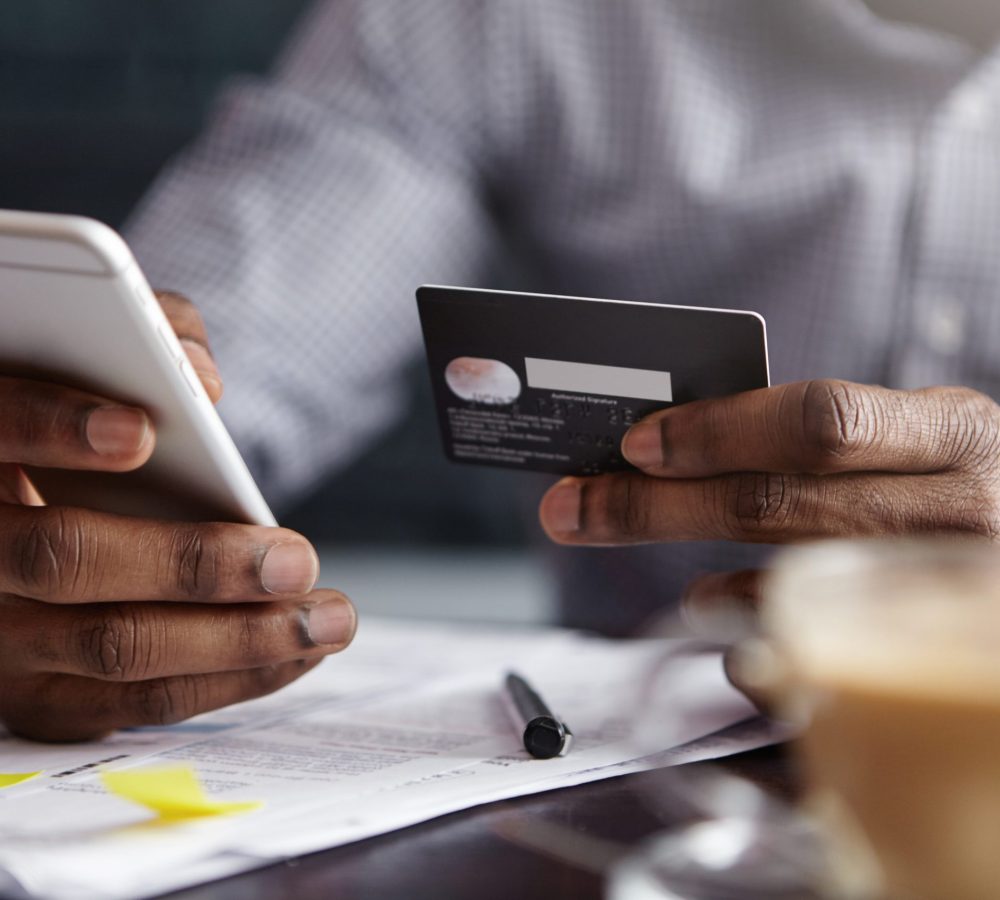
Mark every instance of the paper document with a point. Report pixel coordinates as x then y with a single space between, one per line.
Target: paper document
406 725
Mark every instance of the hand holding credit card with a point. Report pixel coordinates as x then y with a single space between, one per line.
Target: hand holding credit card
551 384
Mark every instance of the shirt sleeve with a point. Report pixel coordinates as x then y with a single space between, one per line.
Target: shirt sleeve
312 207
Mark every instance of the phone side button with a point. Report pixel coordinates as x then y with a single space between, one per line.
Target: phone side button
190 378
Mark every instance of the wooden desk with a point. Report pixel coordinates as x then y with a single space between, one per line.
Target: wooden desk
463 856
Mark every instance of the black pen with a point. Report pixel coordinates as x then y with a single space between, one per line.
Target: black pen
543 734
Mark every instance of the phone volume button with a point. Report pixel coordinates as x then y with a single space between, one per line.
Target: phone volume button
190 378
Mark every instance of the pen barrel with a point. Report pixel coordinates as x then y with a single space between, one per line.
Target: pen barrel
525 700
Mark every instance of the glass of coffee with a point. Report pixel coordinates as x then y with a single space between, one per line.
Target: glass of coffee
887 654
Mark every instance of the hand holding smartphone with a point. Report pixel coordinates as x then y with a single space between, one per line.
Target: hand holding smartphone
151 584
77 311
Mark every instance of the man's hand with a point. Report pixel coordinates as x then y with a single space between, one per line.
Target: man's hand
111 621
810 460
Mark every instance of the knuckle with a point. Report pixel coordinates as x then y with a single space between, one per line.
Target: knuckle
28 406
982 523
624 512
116 644
166 701
196 559
34 412
838 421
267 679
759 504
974 422
978 513
49 556
251 635
710 438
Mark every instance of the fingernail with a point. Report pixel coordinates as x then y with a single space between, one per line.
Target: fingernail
643 445
289 568
116 430
202 362
562 507
331 623
211 384
200 358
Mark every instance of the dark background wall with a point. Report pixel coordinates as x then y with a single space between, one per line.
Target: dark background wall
95 96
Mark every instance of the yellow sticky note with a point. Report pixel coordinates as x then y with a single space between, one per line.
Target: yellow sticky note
172 792
11 778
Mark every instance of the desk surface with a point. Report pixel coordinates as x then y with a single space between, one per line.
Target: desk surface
464 856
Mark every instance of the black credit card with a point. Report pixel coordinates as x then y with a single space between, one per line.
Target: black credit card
551 384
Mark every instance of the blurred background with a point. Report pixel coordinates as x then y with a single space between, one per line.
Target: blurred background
95 97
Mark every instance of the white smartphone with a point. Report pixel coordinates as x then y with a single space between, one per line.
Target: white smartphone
76 309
